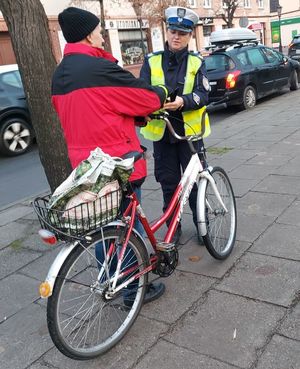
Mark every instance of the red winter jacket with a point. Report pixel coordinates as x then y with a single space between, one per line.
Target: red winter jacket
96 101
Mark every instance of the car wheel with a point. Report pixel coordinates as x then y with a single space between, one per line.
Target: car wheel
16 136
294 81
249 98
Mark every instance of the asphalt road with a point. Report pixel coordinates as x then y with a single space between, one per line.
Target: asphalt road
23 176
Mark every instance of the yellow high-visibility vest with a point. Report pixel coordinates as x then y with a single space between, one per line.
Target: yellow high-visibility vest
195 121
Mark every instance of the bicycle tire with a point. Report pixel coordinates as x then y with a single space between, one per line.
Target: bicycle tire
220 226
77 313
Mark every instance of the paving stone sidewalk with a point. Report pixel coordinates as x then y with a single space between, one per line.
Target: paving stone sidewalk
243 312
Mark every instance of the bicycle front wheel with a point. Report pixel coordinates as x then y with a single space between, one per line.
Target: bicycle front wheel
84 321
220 234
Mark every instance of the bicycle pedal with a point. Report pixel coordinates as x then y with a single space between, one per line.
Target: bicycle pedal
165 246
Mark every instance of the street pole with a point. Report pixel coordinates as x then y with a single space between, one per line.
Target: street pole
137 5
142 36
279 10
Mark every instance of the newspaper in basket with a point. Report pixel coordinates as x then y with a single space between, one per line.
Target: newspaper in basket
87 210
91 195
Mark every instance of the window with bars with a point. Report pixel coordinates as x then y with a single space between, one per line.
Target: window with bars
260 4
247 3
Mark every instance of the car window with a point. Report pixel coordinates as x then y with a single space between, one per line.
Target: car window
256 57
11 79
271 55
219 62
243 58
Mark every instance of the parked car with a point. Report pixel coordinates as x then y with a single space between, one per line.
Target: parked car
294 48
16 132
245 70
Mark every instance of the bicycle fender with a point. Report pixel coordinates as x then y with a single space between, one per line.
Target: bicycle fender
57 264
201 200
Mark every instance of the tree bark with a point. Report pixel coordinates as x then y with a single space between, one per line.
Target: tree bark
28 27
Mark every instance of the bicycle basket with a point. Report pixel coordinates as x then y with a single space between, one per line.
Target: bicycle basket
80 219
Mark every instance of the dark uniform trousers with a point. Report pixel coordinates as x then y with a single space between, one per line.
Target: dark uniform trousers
171 159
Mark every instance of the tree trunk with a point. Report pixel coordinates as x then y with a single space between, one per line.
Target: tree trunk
28 27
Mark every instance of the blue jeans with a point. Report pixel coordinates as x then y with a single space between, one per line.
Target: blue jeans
129 257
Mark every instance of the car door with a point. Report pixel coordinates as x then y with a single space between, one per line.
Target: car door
281 68
263 71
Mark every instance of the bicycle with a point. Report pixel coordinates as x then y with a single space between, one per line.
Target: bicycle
88 311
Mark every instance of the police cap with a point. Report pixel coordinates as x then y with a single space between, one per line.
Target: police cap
181 19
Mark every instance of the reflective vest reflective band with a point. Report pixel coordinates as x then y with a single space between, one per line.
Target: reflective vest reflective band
195 121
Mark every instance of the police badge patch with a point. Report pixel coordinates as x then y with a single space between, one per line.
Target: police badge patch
206 84
196 98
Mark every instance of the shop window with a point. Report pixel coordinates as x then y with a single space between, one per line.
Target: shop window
131 46
207 30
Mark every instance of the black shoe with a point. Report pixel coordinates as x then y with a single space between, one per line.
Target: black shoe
153 292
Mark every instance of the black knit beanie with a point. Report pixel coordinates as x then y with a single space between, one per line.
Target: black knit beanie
76 24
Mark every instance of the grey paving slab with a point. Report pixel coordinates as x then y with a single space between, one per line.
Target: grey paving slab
265 278
137 342
291 215
256 144
248 171
250 227
279 184
24 338
227 327
227 164
242 186
182 290
38 269
196 259
15 257
11 232
281 353
241 154
292 168
258 203
264 158
16 292
11 214
178 358
291 325
279 240
287 146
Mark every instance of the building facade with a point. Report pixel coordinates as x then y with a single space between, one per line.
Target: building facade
130 35
289 24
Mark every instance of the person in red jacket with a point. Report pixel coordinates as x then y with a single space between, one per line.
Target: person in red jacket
97 100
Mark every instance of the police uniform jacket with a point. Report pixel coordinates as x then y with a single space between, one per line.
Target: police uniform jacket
174 66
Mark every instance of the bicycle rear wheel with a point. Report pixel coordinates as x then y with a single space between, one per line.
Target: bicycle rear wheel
83 321
221 226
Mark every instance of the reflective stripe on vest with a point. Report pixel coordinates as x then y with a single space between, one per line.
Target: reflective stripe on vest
195 121
155 129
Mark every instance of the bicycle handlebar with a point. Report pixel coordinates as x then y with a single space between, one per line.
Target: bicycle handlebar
214 106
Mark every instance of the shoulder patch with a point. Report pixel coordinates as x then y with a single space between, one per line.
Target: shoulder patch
155 53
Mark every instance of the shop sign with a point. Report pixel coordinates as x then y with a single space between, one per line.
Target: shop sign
132 24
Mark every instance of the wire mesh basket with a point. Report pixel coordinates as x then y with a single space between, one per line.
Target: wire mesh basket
81 219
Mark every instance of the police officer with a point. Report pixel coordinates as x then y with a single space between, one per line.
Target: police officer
185 73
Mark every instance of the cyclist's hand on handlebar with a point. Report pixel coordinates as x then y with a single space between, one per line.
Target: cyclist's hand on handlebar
177 104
